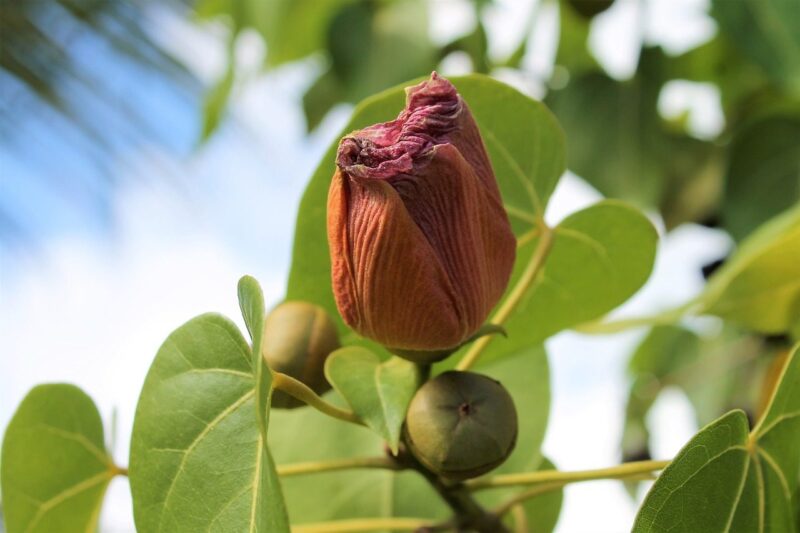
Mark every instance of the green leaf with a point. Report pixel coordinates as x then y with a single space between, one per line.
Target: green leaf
719 62
613 133
364 39
599 258
767 32
251 302
759 286
306 435
525 144
293 29
763 176
55 468
378 392
726 479
320 98
621 146
573 41
198 461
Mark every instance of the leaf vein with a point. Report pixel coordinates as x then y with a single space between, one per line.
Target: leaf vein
781 477
68 493
778 420
209 427
101 455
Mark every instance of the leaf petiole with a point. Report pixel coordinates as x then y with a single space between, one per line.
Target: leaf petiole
623 471
515 296
302 392
313 467
363 524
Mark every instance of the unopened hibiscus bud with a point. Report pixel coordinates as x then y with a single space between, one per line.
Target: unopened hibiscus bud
298 337
421 247
461 425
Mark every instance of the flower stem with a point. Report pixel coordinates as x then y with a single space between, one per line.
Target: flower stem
623 471
313 467
515 296
363 524
302 392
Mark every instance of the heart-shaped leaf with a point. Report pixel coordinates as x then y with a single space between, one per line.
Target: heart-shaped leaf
55 468
378 392
198 460
729 479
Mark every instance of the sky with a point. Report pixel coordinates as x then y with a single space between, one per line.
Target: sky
92 301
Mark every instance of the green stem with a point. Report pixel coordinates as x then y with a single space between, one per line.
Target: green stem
363 524
623 471
512 503
515 296
312 467
468 513
520 518
302 392
669 316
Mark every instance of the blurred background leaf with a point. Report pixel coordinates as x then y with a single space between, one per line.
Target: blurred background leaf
766 32
763 171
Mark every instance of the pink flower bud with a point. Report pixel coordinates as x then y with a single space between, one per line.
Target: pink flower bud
421 247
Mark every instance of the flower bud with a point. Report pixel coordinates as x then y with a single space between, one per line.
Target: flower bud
298 336
421 246
461 425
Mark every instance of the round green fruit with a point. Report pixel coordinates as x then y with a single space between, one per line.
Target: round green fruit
461 425
298 336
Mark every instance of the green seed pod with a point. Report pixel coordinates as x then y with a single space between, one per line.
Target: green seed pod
298 336
461 425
